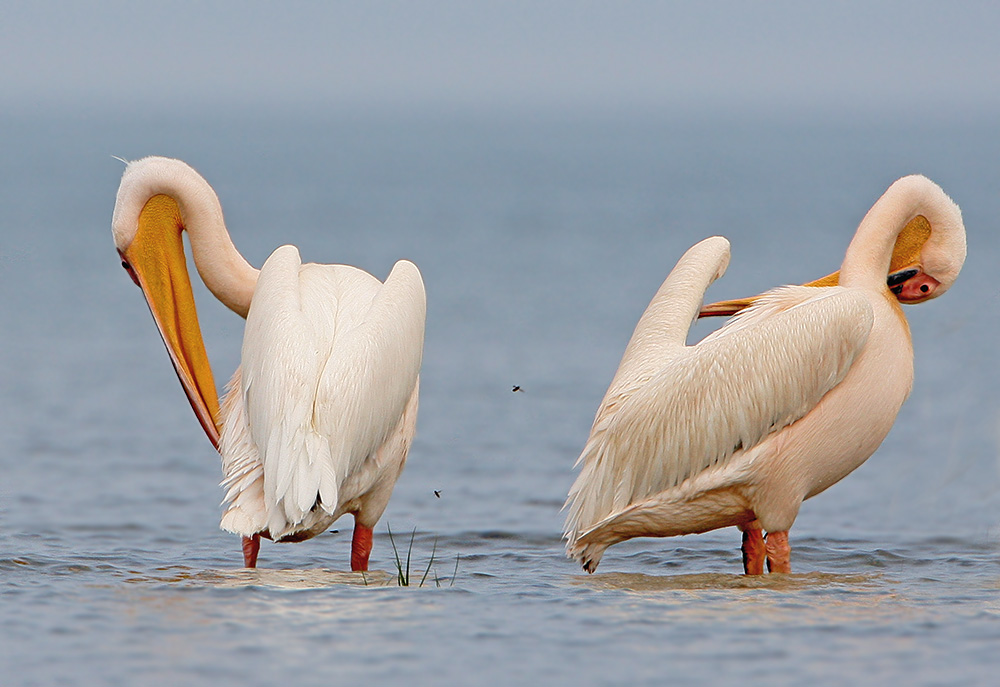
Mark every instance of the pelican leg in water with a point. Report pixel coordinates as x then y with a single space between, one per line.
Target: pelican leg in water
786 399
319 417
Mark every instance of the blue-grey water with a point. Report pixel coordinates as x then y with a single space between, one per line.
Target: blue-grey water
540 241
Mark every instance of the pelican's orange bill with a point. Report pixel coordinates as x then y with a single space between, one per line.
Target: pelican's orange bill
155 260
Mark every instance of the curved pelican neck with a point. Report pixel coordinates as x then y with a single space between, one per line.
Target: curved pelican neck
869 255
225 272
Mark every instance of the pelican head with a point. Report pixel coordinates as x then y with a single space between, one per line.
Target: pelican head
158 200
930 249
928 246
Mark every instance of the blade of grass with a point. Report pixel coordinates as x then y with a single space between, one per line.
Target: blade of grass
409 553
399 564
431 563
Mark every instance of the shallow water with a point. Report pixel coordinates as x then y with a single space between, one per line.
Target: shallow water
540 243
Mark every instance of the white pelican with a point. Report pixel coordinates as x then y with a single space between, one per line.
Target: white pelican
783 401
319 416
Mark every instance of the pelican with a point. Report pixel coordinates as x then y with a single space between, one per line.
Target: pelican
786 399
318 419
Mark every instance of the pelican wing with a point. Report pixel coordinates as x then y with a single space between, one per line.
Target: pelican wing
663 327
366 384
330 358
282 357
763 371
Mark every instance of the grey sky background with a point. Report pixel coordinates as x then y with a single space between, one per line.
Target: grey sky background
883 59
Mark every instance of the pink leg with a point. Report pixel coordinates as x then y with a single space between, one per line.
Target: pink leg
251 547
753 549
779 553
361 546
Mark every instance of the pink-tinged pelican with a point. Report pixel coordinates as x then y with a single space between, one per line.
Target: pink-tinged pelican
319 417
786 399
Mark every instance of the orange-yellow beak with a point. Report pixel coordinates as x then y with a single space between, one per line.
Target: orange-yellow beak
155 261
906 279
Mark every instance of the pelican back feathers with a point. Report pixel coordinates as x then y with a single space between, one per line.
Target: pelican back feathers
330 360
707 404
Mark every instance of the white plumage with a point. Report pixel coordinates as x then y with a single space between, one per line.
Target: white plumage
785 400
325 377
320 415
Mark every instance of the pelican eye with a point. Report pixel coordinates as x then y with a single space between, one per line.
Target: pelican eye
924 288
131 272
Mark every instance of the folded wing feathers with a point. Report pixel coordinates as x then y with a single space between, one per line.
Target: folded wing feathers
761 372
330 357
375 366
244 474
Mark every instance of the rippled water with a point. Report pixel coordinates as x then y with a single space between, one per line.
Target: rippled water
540 243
